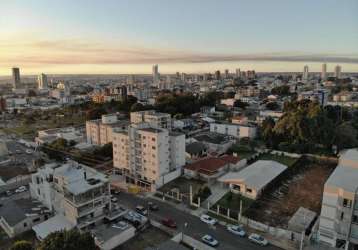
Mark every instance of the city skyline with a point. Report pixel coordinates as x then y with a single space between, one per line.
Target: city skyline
131 36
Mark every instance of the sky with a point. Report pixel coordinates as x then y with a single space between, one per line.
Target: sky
128 36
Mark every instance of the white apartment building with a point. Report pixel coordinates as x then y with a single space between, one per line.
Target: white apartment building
99 132
339 214
147 154
153 118
235 130
77 193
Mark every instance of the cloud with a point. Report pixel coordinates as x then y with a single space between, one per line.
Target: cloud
75 52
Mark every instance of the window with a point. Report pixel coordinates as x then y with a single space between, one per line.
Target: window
153 147
342 216
249 190
153 172
347 203
25 224
153 139
355 219
143 137
36 220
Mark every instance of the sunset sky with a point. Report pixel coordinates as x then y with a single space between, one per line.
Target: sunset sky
128 36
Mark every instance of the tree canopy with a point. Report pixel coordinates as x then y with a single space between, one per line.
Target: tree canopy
68 240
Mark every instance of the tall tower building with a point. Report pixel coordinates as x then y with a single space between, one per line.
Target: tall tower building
42 81
324 72
155 74
337 71
305 73
16 81
238 73
217 75
226 73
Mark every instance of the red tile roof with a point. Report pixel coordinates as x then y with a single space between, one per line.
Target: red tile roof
211 165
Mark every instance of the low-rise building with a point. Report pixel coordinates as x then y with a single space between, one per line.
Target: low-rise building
18 216
68 133
253 179
234 130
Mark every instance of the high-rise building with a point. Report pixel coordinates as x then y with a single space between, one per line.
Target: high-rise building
238 73
42 81
217 75
147 150
338 223
155 74
337 71
226 73
324 72
16 81
305 73
183 77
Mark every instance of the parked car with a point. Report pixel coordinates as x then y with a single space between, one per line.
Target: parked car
258 239
29 151
207 219
152 206
9 193
114 199
169 223
21 189
237 230
115 191
142 210
121 225
209 240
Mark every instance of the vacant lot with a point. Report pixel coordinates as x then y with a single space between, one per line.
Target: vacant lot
151 237
303 188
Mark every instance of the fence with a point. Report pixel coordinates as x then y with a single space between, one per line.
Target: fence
237 218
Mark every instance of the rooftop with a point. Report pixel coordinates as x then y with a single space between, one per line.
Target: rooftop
256 175
15 211
195 148
80 178
56 223
301 220
105 232
349 158
345 178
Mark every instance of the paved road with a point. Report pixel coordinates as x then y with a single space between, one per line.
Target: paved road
196 228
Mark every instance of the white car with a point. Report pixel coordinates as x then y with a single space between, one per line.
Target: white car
258 239
207 219
210 240
21 189
29 151
237 230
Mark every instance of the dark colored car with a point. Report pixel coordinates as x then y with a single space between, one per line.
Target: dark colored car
169 223
152 206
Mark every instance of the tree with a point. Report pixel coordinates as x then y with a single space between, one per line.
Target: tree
272 106
22 245
346 136
283 90
68 240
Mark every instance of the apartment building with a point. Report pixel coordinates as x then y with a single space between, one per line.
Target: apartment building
79 194
235 130
339 213
146 153
99 132
153 118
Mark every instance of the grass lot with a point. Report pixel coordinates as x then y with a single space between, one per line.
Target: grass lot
242 151
288 161
232 201
151 237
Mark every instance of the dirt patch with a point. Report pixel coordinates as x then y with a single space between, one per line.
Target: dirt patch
302 189
9 172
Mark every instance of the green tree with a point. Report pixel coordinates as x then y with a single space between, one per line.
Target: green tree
346 136
68 240
22 245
